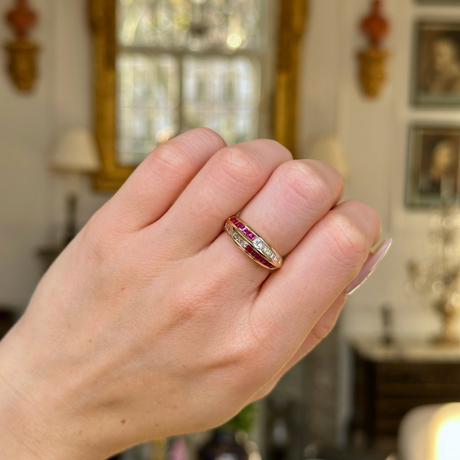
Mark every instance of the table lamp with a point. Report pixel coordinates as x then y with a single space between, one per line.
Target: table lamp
329 149
444 433
75 154
430 433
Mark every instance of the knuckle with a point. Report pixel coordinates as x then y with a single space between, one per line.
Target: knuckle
209 134
349 240
367 217
329 175
373 219
274 146
169 161
241 166
320 331
304 180
98 244
92 244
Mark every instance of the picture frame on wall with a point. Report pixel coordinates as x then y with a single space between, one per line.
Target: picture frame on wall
436 64
433 167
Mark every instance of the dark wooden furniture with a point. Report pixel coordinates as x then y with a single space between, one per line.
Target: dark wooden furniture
7 319
389 381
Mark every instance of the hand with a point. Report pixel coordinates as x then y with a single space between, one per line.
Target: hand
153 323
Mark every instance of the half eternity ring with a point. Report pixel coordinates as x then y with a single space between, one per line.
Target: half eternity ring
253 245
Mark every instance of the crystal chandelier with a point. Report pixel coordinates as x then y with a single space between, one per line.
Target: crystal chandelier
438 277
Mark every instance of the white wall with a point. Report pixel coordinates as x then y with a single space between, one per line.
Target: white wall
374 135
31 197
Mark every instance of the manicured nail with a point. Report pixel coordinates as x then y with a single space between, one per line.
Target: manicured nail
368 268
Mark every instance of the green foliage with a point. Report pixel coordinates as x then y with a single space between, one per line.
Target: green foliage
244 421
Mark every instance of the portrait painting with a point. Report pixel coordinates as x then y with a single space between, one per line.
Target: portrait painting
433 166
436 74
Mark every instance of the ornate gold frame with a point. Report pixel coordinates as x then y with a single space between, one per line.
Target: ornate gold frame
292 18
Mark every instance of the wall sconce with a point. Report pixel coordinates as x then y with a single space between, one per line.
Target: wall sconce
373 59
21 51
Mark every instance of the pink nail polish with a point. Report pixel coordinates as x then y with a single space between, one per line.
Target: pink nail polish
368 268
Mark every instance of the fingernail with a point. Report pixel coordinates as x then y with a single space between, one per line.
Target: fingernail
368 268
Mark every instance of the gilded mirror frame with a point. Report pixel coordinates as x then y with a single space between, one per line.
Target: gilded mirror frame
291 22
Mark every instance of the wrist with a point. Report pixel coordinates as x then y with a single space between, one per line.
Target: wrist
34 420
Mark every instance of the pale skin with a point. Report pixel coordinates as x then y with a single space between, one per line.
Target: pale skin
153 323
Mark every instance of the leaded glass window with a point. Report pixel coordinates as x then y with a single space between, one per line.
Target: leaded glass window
188 63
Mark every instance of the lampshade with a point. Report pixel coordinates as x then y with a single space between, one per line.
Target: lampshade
430 433
329 149
76 151
444 433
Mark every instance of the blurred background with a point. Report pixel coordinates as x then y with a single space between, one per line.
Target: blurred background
87 89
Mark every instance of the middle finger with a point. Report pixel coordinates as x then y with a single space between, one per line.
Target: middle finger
226 183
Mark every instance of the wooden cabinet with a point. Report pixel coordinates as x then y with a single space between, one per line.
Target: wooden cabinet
389 381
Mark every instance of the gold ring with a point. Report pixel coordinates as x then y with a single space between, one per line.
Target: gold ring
253 245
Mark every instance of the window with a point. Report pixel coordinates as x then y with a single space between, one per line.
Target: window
188 63
162 66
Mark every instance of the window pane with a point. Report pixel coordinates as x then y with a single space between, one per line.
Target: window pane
222 93
191 24
148 104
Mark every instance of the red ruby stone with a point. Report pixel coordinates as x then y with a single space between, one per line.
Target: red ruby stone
240 225
233 220
258 257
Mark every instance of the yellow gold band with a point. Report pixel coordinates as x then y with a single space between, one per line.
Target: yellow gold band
253 245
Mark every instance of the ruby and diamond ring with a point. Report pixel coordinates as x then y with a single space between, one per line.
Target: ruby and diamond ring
253 245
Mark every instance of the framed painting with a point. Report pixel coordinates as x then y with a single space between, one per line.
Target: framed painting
433 166
436 64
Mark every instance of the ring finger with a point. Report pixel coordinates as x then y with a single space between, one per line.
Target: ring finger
298 194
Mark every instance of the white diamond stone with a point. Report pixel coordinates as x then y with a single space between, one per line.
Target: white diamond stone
258 243
240 241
